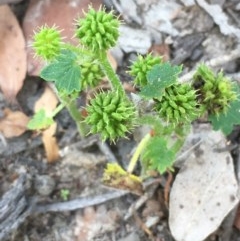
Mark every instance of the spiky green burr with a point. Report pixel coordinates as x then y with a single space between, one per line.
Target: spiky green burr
91 73
111 115
215 91
98 30
178 104
141 66
47 42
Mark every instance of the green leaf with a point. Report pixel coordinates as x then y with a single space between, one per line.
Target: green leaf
40 121
65 72
157 155
226 121
158 78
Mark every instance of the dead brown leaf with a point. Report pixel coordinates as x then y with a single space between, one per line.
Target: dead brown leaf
13 124
49 101
52 12
12 54
161 50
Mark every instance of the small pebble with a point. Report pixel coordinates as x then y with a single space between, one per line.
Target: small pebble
44 185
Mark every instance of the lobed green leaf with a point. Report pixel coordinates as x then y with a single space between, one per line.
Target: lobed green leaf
40 121
225 121
158 78
65 72
157 155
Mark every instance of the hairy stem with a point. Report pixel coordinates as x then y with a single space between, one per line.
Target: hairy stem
138 152
110 73
75 114
58 109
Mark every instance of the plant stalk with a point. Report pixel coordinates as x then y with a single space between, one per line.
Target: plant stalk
58 109
75 114
138 152
110 73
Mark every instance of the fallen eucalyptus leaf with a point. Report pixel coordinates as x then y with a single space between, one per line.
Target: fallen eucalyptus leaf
204 191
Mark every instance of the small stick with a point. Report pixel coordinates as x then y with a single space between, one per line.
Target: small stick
79 202
167 188
143 225
135 206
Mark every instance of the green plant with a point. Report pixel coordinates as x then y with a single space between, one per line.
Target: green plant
64 194
112 114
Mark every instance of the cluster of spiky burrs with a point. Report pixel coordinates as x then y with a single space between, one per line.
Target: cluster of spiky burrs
141 66
178 104
91 74
98 30
111 115
215 91
47 42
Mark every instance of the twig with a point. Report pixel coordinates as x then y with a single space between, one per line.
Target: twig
143 226
79 202
135 206
167 188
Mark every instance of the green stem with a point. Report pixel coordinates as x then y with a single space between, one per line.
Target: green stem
110 73
181 133
138 152
177 145
75 114
58 109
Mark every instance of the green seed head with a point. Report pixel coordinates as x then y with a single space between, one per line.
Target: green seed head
92 74
110 114
140 68
98 30
215 91
178 104
47 43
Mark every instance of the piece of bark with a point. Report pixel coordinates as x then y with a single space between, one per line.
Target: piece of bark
14 207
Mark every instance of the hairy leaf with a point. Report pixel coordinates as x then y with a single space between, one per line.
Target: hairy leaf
65 72
157 155
40 121
226 121
158 78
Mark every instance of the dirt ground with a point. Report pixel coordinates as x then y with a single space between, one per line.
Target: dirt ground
65 200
